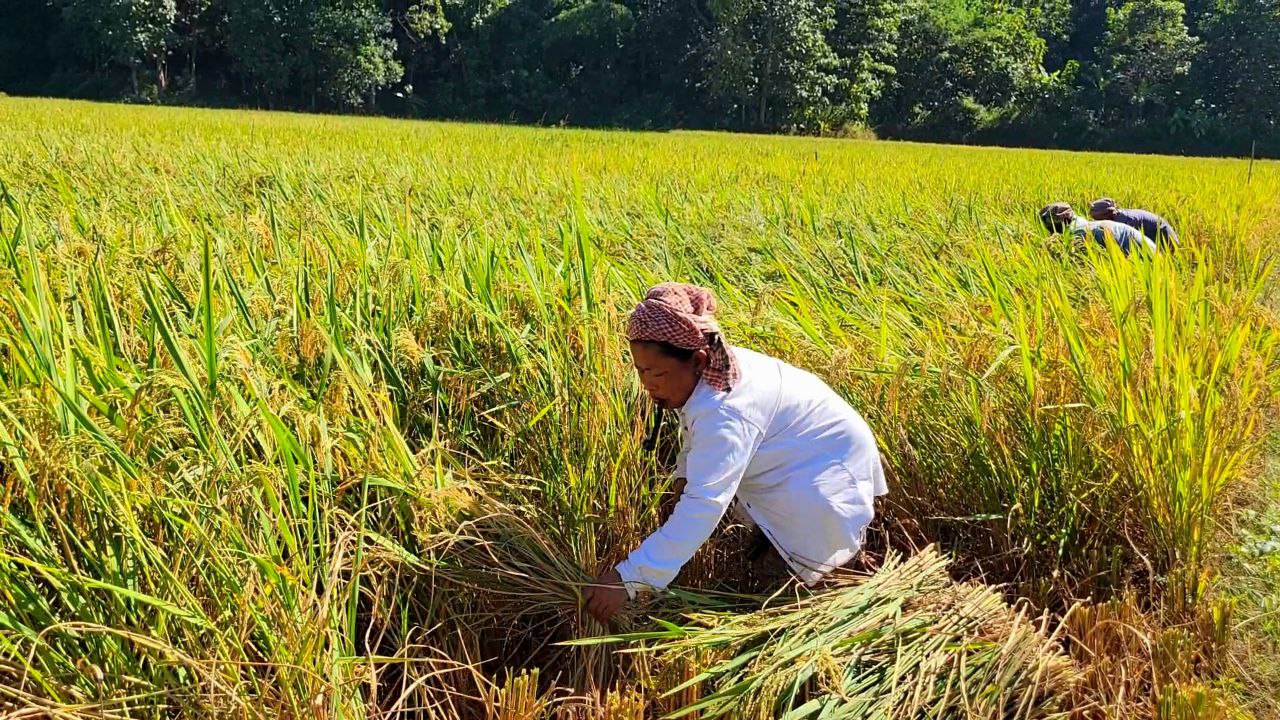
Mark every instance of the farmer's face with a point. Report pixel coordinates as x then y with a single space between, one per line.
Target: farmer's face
668 380
1103 214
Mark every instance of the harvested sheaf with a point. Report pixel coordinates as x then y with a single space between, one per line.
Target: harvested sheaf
905 642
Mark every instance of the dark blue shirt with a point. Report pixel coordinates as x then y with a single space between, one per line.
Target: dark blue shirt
1151 225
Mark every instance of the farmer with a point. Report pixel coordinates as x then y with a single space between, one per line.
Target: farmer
1059 217
801 462
1148 223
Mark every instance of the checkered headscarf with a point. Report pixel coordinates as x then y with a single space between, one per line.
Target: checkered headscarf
684 316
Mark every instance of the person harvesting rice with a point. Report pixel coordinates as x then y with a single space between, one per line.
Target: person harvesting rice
1058 218
1148 223
802 463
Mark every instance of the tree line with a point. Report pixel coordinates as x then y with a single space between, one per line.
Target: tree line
1159 75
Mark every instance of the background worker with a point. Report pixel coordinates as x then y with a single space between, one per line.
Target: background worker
1148 223
1060 218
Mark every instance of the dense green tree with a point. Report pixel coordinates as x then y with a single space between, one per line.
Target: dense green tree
421 29
264 39
584 49
335 50
484 58
1051 21
352 50
768 61
1181 75
668 42
435 35
1149 53
864 37
196 32
1240 66
130 34
1087 25
963 67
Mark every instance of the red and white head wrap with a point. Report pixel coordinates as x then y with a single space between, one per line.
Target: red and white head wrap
684 316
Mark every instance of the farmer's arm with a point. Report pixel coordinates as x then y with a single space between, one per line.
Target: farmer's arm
1139 239
721 449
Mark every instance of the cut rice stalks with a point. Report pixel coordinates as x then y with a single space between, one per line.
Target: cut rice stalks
906 642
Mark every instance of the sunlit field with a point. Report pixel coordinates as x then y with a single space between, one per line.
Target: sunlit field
308 416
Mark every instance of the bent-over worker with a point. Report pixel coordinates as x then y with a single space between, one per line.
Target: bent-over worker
802 463
1059 218
1144 221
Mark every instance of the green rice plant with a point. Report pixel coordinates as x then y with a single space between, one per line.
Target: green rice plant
246 357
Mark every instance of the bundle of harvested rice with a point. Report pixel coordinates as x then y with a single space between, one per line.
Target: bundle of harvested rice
906 642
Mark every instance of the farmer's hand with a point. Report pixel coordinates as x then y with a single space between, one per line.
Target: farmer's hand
605 596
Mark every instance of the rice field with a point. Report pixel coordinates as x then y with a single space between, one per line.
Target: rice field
327 417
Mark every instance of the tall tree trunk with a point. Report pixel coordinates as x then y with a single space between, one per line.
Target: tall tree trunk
462 66
764 77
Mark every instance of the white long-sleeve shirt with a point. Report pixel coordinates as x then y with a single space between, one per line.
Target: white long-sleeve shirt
802 462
